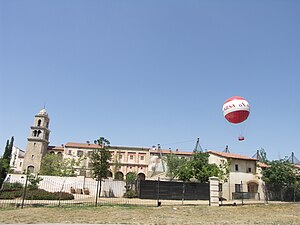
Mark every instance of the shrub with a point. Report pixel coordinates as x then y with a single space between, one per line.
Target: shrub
130 194
11 194
41 194
38 194
12 186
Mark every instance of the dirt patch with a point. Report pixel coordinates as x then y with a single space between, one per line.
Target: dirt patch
251 214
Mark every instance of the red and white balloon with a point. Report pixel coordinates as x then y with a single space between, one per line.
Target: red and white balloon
236 109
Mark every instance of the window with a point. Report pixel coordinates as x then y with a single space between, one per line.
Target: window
39 123
79 153
20 164
142 157
249 170
131 157
120 157
236 167
238 188
32 156
90 153
70 152
220 187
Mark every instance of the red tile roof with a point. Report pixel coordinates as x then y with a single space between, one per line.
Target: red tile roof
297 166
231 155
95 146
82 145
170 152
55 148
262 165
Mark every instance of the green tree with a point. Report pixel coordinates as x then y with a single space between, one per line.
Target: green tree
278 177
34 182
131 178
55 165
117 164
196 168
5 160
174 164
100 161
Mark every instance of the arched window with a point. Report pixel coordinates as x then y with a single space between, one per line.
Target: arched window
52 152
141 176
59 154
34 133
39 123
119 176
109 174
38 133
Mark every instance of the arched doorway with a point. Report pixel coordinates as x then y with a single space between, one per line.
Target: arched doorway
119 176
30 169
253 190
109 174
141 176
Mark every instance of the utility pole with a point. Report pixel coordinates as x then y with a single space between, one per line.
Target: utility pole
197 146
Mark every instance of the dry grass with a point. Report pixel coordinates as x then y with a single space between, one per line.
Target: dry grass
251 214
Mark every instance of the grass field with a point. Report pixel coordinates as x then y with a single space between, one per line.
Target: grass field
247 214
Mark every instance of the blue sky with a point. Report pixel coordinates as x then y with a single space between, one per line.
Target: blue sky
146 72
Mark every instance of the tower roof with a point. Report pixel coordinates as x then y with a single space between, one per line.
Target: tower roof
43 112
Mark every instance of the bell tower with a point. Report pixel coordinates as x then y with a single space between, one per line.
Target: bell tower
37 142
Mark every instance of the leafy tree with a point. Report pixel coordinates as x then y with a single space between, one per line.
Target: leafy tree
34 182
174 164
5 160
55 165
131 178
117 164
100 161
201 169
196 168
278 177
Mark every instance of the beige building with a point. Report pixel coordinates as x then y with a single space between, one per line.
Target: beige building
244 176
17 159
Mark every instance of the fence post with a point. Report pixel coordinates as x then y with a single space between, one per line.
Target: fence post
96 203
24 193
183 191
157 193
214 191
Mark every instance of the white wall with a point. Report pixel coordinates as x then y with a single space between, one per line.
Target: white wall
56 184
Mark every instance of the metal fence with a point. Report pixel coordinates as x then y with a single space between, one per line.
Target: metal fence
246 195
289 193
80 191
171 190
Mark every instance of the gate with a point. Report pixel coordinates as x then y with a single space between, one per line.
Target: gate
172 190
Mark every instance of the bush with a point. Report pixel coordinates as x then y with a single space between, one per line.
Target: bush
130 194
11 194
41 194
12 186
38 194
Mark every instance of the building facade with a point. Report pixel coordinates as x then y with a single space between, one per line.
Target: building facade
146 162
244 179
